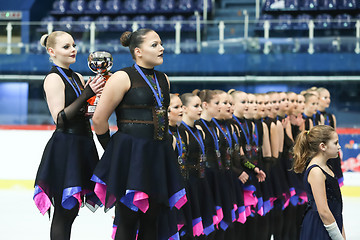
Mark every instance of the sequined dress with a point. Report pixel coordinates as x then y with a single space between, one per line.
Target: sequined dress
138 162
312 226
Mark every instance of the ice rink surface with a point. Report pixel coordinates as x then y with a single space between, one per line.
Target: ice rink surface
21 220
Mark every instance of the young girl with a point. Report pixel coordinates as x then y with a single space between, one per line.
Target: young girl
70 156
312 151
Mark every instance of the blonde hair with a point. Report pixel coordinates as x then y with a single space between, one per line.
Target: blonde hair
47 40
307 145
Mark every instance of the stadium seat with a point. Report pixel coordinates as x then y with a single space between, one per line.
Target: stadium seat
67 23
200 5
60 7
347 4
112 6
44 23
141 21
158 23
323 21
309 5
284 22
267 5
121 23
83 24
95 7
185 6
327 4
292 4
77 7
188 46
191 26
261 21
130 6
343 21
149 6
167 6
169 45
102 23
174 19
302 22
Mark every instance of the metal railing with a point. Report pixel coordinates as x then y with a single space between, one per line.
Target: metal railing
247 33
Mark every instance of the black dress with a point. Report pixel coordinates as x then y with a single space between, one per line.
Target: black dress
69 159
138 162
201 209
212 165
312 226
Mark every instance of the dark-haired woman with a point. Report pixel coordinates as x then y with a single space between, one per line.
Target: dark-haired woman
137 173
70 156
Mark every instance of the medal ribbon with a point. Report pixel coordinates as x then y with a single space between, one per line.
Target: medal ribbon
314 119
213 135
247 137
198 139
178 142
255 135
157 93
77 89
227 134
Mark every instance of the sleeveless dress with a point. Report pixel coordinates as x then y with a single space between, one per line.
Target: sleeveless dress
312 226
69 159
139 162
198 191
212 165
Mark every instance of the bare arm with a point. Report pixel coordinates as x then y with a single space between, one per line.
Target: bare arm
266 148
54 89
116 87
280 130
274 140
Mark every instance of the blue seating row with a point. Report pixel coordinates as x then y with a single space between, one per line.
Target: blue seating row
300 22
309 5
66 7
120 23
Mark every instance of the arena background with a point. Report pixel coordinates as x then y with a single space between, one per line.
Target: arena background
250 45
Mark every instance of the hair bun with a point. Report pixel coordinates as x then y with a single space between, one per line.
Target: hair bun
43 40
125 38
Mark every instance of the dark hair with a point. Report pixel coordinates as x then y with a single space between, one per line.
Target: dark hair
185 98
206 95
134 39
307 145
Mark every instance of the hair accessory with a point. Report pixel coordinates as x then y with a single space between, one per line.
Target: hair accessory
45 40
307 132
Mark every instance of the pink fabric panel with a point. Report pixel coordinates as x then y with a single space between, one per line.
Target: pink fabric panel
198 229
181 202
100 191
42 202
141 200
249 198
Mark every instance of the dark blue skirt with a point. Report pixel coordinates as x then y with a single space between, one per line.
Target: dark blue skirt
65 170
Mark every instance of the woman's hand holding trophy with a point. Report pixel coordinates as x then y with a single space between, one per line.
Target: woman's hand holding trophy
99 62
